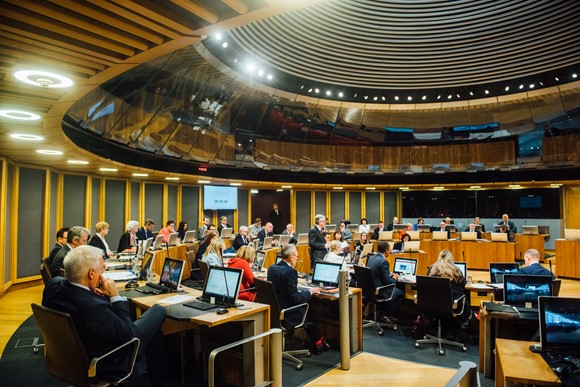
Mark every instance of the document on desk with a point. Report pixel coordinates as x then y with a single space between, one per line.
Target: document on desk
124 275
175 299
481 286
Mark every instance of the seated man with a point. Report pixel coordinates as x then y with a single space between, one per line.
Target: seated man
102 317
382 276
76 236
533 267
284 277
471 228
242 239
267 231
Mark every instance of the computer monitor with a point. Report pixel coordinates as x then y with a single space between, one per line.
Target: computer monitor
352 227
172 241
158 242
326 273
424 227
559 324
147 244
499 269
439 235
499 237
226 232
468 236
462 266
367 249
405 266
530 230
330 228
171 273
479 227
267 243
356 236
284 240
399 227
411 247
189 236
385 235
259 260
146 264
413 234
302 239
222 285
450 228
524 290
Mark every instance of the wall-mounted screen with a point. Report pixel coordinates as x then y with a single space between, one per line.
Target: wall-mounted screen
220 198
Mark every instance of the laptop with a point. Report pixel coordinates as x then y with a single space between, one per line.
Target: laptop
325 274
468 236
284 240
158 242
385 235
256 244
147 244
530 230
478 227
424 227
147 263
439 235
189 237
367 249
410 247
170 279
399 227
267 243
413 234
405 266
302 239
330 228
450 228
522 291
356 236
259 261
226 233
172 241
496 228
221 288
499 237
571 234
498 269
276 237
462 266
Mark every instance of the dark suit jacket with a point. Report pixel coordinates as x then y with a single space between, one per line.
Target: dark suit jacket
381 272
239 241
390 227
143 235
57 263
124 242
285 280
478 233
293 239
536 269
377 231
511 226
53 252
98 242
275 219
220 227
101 325
262 235
317 244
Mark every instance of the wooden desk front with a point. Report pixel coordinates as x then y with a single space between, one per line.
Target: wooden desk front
526 242
515 363
478 255
567 263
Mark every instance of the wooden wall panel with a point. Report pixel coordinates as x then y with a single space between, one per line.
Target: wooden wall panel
561 148
572 207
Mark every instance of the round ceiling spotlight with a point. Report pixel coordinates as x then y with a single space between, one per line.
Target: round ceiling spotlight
43 79
27 137
19 115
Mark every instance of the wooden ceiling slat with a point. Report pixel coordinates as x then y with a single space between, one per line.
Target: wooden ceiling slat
112 21
27 90
67 33
78 22
152 15
43 61
135 18
43 40
237 5
197 10
38 104
50 53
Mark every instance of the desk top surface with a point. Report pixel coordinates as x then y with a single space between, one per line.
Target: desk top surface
520 365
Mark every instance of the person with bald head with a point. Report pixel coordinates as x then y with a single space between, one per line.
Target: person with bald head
533 266
267 231
505 220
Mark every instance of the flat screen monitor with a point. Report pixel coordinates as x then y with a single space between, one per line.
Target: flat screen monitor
189 236
217 197
330 228
462 266
405 266
498 269
222 284
560 324
399 227
530 230
259 260
148 259
326 273
524 290
171 273
450 228
424 227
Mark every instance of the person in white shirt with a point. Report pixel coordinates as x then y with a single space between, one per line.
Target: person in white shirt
333 256
364 226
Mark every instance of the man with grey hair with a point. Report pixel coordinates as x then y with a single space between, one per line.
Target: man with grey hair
242 239
316 241
533 267
102 317
77 236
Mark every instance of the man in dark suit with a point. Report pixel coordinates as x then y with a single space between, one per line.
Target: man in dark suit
146 231
284 277
390 226
376 231
102 317
61 235
382 275
477 222
511 226
223 224
242 239
533 267
275 218
443 227
267 231
77 236
471 228
316 241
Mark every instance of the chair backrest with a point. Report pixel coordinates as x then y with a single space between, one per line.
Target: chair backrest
434 296
64 352
556 285
190 247
266 294
204 268
190 255
364 280
47 267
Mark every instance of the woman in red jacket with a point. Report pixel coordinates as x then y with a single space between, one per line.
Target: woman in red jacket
244 260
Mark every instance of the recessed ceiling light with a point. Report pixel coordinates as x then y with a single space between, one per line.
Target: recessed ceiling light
203 181
19 115
475 187
317 91
439 188
515 186
370 188
279 190
48 152
403 188
108 169
254 191
218 36
225 44
140 174
78 162
43 79
424 97
287 186
269 77
236 184
27 137
555 185
172 178
328 92
341 94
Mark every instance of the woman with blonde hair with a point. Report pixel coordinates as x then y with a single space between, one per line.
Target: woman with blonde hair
244 260
334 253
213 254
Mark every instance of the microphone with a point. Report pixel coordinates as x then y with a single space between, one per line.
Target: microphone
550 264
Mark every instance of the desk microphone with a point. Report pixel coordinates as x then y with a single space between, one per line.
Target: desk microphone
550 264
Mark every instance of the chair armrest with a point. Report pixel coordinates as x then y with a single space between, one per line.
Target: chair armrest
247 290
378 291
456 305
303 305
93 365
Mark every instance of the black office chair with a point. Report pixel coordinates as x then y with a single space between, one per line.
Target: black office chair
65 354
434 298
45 270
266 294
556 285
372 296
204 269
